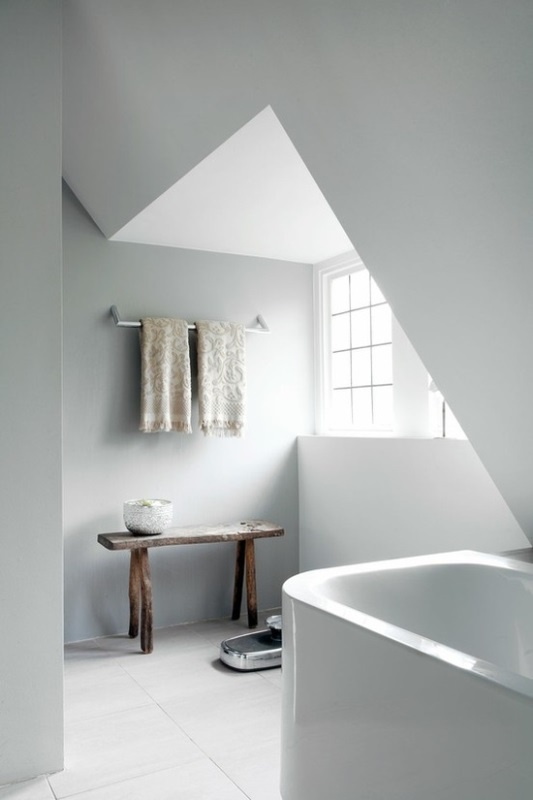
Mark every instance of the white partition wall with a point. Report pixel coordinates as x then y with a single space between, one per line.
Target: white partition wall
373 499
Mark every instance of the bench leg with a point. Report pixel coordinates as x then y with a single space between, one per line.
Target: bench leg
245 562
251 594
134 590
146 603
239 578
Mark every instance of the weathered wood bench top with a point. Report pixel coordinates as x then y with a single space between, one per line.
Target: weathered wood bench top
196 534
140 584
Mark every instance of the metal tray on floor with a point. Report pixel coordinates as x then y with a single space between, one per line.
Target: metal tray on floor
256 650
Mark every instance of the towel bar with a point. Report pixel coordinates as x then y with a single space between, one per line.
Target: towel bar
261 327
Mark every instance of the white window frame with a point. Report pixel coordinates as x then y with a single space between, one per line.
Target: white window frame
410 377
324 273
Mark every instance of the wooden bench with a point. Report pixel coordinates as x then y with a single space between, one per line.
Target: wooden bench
140 584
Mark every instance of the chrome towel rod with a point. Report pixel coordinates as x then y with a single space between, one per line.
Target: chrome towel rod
261 327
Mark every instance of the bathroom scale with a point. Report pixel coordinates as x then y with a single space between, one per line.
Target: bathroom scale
256 650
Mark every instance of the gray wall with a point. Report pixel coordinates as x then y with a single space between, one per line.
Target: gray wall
107 460
440 203
372 499
31 581
415 119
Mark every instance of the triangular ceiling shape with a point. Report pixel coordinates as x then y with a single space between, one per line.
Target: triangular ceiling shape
253 195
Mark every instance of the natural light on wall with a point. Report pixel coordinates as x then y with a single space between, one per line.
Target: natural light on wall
371 381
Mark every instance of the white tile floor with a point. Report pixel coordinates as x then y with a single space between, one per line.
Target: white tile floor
173 725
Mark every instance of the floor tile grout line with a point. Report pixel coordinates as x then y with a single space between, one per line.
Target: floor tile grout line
209 757
106 714
189 736
151 700
117 658
124 780
54 795
233 781
177 724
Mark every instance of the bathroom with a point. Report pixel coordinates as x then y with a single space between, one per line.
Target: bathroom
457 273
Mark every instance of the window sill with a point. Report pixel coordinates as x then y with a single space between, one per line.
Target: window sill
385 435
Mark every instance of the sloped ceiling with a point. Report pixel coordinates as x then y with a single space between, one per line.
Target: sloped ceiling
414 119
253 196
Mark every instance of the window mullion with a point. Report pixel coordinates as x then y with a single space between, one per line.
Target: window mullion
371 355
351 348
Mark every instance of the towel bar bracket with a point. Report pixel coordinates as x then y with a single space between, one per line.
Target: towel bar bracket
261 326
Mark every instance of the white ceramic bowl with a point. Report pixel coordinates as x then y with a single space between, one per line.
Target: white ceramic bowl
147 516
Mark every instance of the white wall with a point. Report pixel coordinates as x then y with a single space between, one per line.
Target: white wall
410 378
371 499
210 480
31 581
415 119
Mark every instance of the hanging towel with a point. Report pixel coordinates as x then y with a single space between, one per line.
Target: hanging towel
165 376
221 378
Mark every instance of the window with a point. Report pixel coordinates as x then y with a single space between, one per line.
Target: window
361 353
370 380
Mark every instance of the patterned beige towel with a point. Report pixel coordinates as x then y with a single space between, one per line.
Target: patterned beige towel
221 378
165 376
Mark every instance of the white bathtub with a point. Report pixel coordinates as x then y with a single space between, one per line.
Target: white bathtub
409 679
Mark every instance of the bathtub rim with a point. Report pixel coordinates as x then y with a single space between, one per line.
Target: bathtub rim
305 588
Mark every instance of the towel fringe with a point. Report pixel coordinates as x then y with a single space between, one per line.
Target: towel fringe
155 427
222 428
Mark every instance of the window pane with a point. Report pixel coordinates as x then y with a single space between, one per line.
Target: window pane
340 294
361 328
362 408
340 370
361 375
340 332
359 289
341 409
375 292
383 406
382 364
359 365
381 324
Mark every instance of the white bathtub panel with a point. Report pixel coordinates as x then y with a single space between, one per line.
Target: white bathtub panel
367 717
482 611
